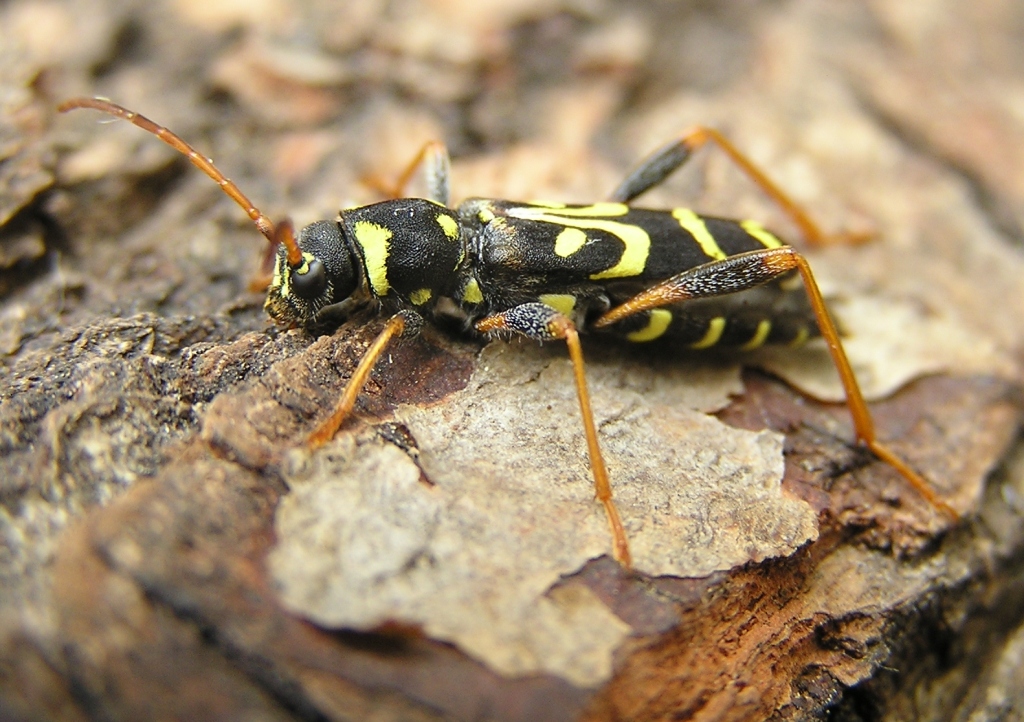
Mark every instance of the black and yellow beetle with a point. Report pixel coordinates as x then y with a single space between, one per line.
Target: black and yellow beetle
545 270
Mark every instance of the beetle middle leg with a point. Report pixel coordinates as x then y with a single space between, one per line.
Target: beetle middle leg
436 163
543 323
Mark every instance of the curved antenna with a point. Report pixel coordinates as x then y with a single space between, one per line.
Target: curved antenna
199 161
284 234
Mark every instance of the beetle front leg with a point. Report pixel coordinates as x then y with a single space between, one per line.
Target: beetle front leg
403 324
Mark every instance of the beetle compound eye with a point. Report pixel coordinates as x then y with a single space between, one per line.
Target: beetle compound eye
312 283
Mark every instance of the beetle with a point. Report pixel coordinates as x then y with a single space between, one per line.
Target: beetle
546 271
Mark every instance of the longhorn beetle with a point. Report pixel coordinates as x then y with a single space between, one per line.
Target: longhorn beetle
546 270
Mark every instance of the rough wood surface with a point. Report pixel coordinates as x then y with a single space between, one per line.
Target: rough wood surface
149 413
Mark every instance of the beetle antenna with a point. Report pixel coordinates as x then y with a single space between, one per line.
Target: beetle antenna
199 161
284 234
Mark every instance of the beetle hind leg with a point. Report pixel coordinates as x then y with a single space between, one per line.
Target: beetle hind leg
749 270
663 162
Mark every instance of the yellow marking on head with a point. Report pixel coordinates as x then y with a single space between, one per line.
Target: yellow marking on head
801 338
284 279
764 327
471 293
635 239
600 210
715 328
449 225
278 280
564 303
763 237
486 215
657 323
303 268
420 296
374 240
569 241
696 227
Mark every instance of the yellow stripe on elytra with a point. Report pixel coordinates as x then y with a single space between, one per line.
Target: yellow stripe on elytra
471 293
449 225
564 303
763 237
375 242
635 239
715 328
420 296
696 227
657 323
764 327
603 209
569 241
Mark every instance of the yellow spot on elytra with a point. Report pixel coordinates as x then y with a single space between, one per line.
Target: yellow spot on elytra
764 327
635 239
471 293
564 303
763 237
657 324
696 227
449 225
420 296
486 215
715 328
375 242
569 241
801 338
